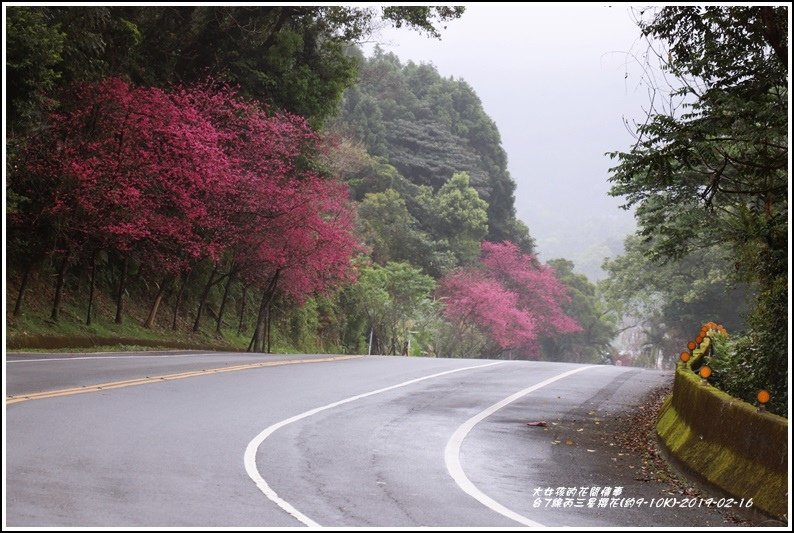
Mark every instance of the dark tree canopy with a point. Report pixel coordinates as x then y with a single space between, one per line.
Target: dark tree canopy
292 57
429 127
712 167
721 158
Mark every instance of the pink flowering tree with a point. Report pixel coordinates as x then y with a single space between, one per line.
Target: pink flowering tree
306 251
129 170
166 179
509 299
286 231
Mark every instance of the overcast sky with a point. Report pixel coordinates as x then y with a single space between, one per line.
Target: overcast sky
554 79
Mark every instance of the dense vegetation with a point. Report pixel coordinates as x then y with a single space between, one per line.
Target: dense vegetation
709 178
429 127
189 158
292 57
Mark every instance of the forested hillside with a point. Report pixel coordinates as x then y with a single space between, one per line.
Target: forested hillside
243 175
429 127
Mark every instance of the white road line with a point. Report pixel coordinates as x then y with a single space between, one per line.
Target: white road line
249 458
452 451
108 357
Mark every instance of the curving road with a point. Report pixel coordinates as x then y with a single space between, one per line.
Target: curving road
211 439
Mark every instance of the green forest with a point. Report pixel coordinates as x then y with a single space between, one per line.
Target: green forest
246 178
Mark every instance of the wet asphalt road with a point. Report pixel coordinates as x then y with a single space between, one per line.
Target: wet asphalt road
172 453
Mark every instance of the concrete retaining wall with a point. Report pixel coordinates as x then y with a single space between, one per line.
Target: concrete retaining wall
726 440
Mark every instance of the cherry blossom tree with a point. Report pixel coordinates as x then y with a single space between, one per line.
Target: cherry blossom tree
287 230
509 298
168 178
127 169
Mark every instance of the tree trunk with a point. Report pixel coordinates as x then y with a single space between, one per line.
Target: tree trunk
375 343
222 308
23 285
204 294
380 349
268 322
256 340
242 310
179 294
259 331
56 301
92 284
168 281
122 287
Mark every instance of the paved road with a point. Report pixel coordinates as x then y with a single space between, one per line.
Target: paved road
373 441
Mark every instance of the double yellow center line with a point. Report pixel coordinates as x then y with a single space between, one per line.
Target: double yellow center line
166 377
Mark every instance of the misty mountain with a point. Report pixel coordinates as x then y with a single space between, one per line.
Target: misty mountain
428 127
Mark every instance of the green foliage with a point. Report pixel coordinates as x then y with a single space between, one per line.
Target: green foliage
460 216
386 225
401 221
718 168
292 57
670 300
34 45
441 231
312 327
587 307
459 340
422 17
364 173
459 209
757 360
393 234
712 167
396 301
429 128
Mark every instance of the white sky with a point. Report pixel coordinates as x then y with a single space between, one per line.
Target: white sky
553 78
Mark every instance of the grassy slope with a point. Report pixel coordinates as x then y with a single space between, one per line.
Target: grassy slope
34 326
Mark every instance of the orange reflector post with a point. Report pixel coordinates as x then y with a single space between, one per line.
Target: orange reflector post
705 372
763 396
685 356
691 345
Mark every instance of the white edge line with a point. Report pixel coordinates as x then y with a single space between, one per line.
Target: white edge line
249 458
452 451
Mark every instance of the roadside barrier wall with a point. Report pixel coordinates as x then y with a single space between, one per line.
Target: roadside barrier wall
727 441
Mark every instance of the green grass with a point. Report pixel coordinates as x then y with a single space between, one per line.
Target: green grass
33 330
